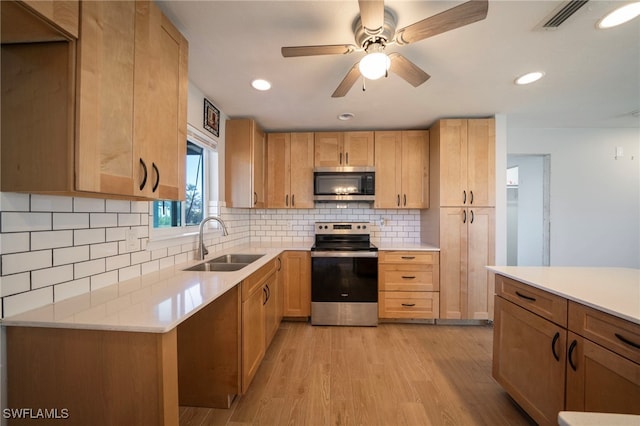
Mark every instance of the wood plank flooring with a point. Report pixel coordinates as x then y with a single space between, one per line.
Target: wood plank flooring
393 374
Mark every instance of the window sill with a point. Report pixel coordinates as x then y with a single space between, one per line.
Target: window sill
160 242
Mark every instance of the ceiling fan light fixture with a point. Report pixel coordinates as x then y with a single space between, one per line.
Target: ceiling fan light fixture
529 78
374 65
620 16
261 84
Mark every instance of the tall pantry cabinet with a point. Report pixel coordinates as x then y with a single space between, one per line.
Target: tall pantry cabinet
462 215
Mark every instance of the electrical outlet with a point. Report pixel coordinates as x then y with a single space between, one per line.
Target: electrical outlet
131 236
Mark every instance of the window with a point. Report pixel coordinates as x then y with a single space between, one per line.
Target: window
175 217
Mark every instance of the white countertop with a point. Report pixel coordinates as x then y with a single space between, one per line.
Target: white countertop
155 302
407 247
615 291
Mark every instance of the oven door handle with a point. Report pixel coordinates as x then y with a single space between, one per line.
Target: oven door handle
344 254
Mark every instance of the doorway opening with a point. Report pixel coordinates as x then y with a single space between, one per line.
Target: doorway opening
528 210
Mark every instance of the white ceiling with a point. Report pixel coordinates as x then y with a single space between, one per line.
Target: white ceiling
592 76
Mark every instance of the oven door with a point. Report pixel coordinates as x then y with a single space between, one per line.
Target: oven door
344 276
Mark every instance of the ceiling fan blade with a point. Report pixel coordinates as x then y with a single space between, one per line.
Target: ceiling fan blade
407 70
348 82
372 15
335 49
456 17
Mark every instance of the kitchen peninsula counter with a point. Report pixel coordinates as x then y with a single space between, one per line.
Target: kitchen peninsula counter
615 291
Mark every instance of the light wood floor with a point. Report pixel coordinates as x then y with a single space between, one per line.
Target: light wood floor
393 374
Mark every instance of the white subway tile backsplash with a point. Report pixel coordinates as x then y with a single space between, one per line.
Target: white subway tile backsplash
97 251
166 262
14 202
22 262
118 206
93 205
16 283
116 234
24 221
69 255
16 304
51 239
103 220
140 257
140 207
149 267
50 203
88 236
50 276
129 273
103 280
70 289
118 262
70 220
128 219
14 242
91 267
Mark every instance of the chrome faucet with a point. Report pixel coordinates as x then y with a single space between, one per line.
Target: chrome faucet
202 250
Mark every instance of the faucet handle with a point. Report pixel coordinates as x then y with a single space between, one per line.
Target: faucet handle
204 251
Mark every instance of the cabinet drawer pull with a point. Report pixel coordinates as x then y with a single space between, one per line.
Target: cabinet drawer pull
264 293
472 217
471 197
627 341
525 297
293 200
155 168
144 179
405 200
286 200
464 216
398 202
464 197
408 305
344 294
340 158
570 355
553 346
408 257
346 158
408 277
255 198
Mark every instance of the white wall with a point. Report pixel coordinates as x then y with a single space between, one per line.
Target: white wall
594 197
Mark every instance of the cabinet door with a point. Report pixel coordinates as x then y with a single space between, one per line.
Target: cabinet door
453 262
253 335
481 162
481 247
257 164
278 170
600 380
328 149
388 160
529 360
358 149
271 309
301 165
453 162
297 284
105 114
62 13
415 170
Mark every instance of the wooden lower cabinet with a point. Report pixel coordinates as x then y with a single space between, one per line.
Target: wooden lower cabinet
528 360
296 267
553 355
408 284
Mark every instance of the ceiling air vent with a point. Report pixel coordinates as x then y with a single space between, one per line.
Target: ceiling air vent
561 14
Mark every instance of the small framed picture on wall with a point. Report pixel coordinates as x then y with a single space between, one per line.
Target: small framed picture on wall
211 118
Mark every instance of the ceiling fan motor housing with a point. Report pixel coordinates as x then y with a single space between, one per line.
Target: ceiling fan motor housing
385 34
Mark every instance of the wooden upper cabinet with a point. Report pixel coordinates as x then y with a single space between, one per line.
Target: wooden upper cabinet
113 108
30 21
63 14
402 169
466 164
160 97
244 168
342 149
289 170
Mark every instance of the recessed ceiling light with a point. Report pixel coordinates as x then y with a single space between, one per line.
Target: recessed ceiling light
529 77
260 84
346 116
620 16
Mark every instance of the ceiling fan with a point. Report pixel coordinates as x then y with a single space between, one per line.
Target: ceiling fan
375 28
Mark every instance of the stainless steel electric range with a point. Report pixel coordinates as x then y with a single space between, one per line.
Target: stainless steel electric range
344 275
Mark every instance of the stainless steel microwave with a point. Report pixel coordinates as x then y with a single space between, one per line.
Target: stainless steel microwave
344 184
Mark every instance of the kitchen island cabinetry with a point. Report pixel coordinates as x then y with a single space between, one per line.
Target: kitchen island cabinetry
244 164
127 137
554 353
297 284
402 169
289 170
408 284
344 149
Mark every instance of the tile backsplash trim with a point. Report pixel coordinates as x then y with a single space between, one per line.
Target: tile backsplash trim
53 247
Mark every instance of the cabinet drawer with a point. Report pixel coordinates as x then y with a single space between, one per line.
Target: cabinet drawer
407 278
408 304
255 280
540 302
615 334
424 257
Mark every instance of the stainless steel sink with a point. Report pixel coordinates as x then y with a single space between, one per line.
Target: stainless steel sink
228 262
237 258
